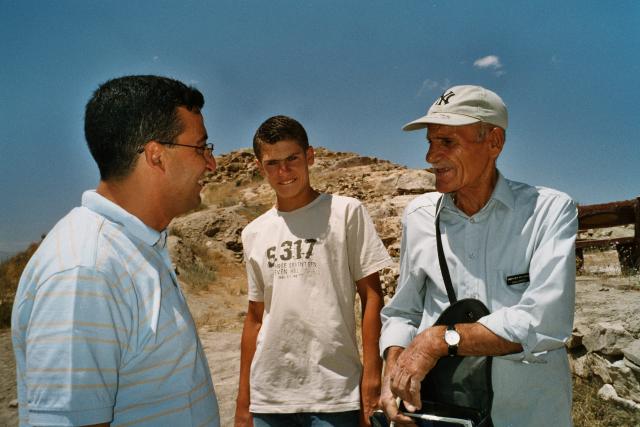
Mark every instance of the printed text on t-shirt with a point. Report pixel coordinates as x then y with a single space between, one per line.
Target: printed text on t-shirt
287 249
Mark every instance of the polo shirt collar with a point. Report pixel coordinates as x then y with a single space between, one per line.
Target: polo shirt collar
131 223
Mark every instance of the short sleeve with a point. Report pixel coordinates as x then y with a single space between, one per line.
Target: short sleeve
367 254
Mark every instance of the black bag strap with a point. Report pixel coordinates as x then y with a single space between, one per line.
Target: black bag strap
444 269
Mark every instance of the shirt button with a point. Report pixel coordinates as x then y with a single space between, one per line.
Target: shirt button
472 255
472 221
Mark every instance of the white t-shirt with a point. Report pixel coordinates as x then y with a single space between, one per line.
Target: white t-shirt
304 264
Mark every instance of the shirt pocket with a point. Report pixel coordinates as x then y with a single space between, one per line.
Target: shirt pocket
510 294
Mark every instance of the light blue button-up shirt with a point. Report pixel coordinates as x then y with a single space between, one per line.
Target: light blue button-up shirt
521 230
102 332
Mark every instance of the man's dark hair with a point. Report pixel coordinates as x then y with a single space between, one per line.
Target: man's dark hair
279 128
127 112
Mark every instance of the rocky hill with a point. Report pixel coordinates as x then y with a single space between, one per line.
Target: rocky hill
235 194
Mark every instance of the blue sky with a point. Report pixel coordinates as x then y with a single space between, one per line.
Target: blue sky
353 72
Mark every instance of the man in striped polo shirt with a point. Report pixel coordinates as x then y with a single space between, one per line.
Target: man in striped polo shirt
101 330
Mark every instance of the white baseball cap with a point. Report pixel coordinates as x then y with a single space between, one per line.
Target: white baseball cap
464 105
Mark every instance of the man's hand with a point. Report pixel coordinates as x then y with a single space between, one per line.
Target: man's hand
388 401
243 417
413 364
370 395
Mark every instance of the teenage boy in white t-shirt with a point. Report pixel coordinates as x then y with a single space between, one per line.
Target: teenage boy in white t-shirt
305 260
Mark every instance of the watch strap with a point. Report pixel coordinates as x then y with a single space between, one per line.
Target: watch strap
453 349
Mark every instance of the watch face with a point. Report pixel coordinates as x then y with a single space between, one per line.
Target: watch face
452 337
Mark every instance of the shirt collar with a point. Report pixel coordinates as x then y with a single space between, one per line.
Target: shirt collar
501 193
130 223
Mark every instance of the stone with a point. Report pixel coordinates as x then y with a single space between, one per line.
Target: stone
415 182
599 366
387 183
632 352
234 167
13 403
632 323
608 338
607 392
578 366
354 161
624 381
635 368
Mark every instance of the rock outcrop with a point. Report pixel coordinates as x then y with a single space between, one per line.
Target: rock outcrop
605 343
236 193
605 340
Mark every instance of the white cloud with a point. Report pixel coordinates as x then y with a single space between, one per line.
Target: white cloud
490 61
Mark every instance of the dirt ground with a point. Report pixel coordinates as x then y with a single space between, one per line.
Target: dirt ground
219 312
8 415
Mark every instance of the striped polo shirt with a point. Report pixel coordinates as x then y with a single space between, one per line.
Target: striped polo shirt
102 331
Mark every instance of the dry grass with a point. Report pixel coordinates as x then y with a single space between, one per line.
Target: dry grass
222 194
201 273
10 271
591 411
228 194
198 276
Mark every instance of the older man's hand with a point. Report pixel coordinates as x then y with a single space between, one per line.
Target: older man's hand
388 401
413 364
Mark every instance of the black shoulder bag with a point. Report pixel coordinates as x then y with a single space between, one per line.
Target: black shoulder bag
458 386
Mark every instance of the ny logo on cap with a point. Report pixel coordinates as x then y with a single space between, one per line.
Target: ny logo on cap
445 98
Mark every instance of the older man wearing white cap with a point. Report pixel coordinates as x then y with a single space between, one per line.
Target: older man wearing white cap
507 244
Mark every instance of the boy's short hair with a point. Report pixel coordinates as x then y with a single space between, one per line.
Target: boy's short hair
279 128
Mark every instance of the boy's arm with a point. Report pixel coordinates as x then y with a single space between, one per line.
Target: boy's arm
372 300
252 324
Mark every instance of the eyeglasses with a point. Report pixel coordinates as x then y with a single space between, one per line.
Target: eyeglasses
205 150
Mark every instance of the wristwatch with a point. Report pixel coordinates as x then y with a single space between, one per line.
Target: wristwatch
452 338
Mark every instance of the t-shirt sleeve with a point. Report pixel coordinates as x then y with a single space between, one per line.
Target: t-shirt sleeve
255 284
367 254
78 331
